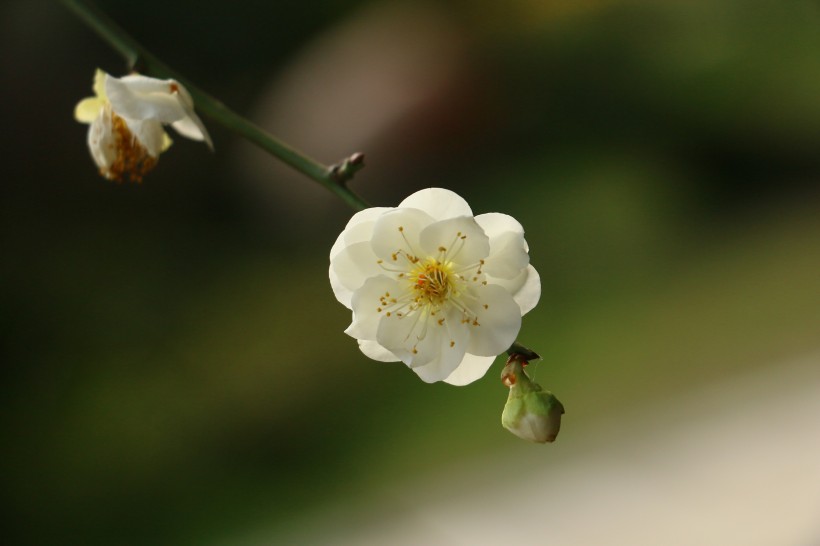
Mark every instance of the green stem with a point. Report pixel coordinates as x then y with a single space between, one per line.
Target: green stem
334 177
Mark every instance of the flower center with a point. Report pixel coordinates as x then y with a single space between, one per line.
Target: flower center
432 282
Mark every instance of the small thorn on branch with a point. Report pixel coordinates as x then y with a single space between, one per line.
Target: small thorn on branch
344 170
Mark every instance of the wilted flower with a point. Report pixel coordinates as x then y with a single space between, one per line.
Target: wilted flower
531 412
126 116
433 286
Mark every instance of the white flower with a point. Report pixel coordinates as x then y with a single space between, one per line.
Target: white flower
126 116
433 286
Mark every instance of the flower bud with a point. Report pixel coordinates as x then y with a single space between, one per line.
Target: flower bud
531 412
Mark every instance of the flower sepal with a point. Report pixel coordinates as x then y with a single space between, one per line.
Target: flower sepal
531 413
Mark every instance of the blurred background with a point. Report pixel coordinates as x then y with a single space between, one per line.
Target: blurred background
175 370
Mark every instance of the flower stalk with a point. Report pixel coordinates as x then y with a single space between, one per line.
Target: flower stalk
334 177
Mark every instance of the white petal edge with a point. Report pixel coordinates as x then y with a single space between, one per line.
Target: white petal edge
472 367
372 349
350 269
343 294
193 128
525 288
146 84
496 223
133 103
362 230
363 216
530 292
358 229
438 203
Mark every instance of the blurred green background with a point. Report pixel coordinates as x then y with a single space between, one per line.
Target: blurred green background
175 367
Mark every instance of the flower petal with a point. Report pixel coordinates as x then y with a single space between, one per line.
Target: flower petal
192 127
401 336
369 308
373 350
438 369
397 232
495 224
166 142
438 203
525 288
145 85
99 85
87 110
472 367
462 239
101 141
343 294
419 339
497 320
131 99
350 268
338 245
149 133
352 233
360 227
452 343
508 256
508 249
530 292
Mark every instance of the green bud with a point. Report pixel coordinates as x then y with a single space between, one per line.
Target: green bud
531 412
